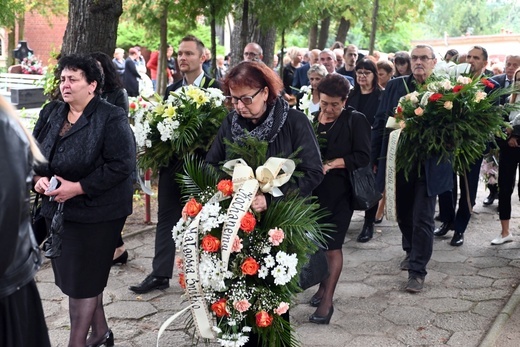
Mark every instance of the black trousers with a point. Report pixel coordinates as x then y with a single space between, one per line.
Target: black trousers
415 213
508 162
169 213
448 199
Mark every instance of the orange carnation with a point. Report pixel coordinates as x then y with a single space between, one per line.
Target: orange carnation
250 266
210 243
182 281
263 319
219 308
226 187
193 207
248 222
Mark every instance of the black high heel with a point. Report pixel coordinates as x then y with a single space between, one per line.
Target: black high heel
378 221
314 318
107 340
122 259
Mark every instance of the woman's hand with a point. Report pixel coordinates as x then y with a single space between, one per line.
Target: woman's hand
259 203
41 184
67 190
513 142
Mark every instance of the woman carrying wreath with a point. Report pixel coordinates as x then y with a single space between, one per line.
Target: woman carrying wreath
345 146
259 111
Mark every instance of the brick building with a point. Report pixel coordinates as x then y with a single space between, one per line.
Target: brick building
43 35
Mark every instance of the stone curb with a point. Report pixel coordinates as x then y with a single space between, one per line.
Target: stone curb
501 320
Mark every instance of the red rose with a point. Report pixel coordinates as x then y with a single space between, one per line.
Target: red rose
248 222
457 88
219 308
250 266
133 105
263 319
487 83
182 281
193 207
226 187
399 109
435 97
210 243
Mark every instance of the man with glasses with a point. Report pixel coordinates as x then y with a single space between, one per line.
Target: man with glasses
477 59
253 52
191 55
415 196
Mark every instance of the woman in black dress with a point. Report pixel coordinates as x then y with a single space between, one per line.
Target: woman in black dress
90 150
345 146
22 322
365 98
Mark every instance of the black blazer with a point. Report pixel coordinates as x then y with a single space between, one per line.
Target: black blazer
369 109
98 152
207 82
130 77
501 79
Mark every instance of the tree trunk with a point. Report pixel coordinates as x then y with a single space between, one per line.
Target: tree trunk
162 80
21 26
374 28
92 26
267 41
213 25
324 33
343 28
11 44
313 37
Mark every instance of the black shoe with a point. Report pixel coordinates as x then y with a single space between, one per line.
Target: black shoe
415 284
321 320
457 240
315 302
107 340
405 263
493 194
379 221
150 283
437 218
122 259
366 233
443 229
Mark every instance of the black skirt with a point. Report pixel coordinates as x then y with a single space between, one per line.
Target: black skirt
86 257
22 322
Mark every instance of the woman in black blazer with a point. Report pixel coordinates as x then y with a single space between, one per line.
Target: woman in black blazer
365 98
90 150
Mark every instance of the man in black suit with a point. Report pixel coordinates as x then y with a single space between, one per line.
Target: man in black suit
300 75
350 56
191 56
458 220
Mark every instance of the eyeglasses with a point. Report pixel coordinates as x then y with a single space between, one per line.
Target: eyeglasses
246 100
250 54
363 73
422 58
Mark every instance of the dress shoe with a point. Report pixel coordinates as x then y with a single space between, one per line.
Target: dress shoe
493 194
314 318
457 240
150 283
366 233
378 221
443 229
107 340
501 240
405 263
315 302
122 259
415 284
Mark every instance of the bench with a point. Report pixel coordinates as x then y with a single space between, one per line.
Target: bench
21 89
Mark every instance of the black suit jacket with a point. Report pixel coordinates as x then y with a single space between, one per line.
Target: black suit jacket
207 82
300 76
98 152
501 80
130 77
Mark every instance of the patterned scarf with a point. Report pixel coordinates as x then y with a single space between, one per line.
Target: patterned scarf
270 127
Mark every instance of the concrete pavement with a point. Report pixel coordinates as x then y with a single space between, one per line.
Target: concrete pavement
469 296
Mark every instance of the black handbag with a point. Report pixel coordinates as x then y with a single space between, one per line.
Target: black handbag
38 221
315 271
364 192
52 245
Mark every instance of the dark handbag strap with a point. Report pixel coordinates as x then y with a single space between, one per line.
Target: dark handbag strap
35 206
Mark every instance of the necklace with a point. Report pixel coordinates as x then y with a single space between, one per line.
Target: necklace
332 126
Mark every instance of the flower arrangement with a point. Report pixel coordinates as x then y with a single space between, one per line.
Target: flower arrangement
305 101
137 107
449 118
31 65
489 168
243 281
186 122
